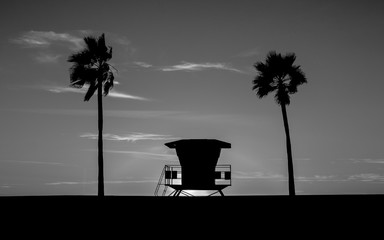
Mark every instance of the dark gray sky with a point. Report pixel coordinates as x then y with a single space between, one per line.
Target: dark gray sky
185 71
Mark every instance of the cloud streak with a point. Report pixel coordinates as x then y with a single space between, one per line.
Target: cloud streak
47 58
38 39
132 137
32 162
95 182
113 93
249 53
146 155
139 155
367 160
188 66
258 175
367 177
143 64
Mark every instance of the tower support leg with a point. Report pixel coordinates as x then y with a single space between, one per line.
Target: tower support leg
177 193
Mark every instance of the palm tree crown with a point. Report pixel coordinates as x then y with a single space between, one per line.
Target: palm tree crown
90 66
279 74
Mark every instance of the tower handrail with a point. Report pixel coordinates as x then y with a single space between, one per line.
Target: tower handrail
160 181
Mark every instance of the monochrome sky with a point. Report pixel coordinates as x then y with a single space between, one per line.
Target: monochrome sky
185 70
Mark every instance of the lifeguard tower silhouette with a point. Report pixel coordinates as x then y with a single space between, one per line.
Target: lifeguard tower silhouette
197 169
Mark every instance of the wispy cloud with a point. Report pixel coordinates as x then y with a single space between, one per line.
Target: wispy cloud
280 177
137 114
47 58
367 177
249 53
131 137
257 175
143 64
32 162
113 93
106 182
124 42
142 155
367 160
146 155
116 94
70 183
47 38
317 178
188 66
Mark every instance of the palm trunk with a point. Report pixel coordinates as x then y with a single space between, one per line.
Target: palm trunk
100 140
291 180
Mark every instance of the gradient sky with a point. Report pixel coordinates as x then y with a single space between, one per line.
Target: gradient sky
185 70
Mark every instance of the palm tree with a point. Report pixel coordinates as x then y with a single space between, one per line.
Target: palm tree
278 74
91 69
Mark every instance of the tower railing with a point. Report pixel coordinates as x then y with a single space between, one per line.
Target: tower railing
171 176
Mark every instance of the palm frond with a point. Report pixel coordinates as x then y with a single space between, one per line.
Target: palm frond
289 59
264 82
279 74
91 90
297 76
81 74
82 57
108 85
101 47
76 74
282 97
263 86
109 54
90 66
91 44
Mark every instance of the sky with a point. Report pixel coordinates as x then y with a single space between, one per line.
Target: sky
184 71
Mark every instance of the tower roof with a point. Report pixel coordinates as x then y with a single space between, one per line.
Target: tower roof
198 142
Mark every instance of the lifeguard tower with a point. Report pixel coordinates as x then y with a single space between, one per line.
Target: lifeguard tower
198 169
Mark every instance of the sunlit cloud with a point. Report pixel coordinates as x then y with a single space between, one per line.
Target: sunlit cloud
116 94
47 38
113 93
132 137
187 66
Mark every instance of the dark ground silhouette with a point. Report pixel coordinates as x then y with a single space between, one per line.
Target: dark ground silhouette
240 217
247 204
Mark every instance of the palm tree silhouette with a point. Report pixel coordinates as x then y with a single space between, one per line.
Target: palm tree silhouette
91 69
278 74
